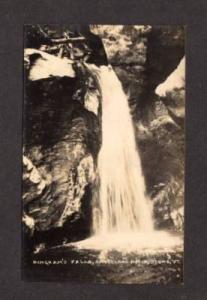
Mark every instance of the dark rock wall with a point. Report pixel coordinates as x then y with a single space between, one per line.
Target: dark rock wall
61 142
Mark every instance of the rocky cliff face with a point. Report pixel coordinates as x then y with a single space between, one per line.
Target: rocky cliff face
61 142
62 134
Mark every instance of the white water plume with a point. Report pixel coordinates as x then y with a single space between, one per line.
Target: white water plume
122 205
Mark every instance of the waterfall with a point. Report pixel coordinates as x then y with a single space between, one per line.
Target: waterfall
121 204
122 213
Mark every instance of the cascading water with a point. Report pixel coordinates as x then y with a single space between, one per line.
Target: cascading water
122 204
122 213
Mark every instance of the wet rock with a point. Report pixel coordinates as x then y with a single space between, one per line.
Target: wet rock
61 142
172 93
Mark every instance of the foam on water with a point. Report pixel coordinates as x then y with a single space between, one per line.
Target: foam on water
154 242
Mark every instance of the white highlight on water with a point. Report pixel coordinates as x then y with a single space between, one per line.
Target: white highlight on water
122 203
122 213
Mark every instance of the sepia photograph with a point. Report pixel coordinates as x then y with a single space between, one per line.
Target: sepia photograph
103 154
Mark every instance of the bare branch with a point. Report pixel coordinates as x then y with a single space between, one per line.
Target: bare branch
67 40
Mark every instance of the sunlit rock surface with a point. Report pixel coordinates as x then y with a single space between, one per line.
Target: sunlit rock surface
44 65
